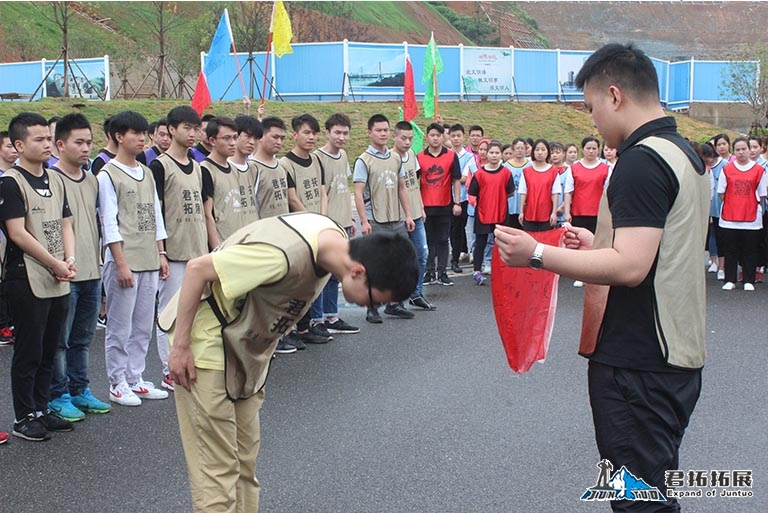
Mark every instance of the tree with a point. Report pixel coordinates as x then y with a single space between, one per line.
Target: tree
164 20
60 15
747 82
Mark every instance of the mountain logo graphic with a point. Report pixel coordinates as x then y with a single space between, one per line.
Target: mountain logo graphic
621 485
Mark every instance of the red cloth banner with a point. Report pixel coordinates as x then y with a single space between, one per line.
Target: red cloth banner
525 301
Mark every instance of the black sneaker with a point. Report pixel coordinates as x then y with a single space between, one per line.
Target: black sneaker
421 302
398 310
54 423
284 347
339 326
310 337
30 428
292 339
429 278
443 279
455 268
373 316
320 329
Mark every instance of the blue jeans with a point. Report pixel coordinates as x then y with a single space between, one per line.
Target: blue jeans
419 239
70 364
327 303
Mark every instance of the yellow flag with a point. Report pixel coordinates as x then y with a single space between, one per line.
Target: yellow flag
281 30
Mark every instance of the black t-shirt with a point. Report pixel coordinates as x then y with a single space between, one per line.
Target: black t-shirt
100 162
303 163
641 193
142 156
12 207
208 181
158 172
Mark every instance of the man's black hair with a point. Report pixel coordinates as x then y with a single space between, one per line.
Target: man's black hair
66 124
4 135
53 119
207 117
105 126
390 262
474 128
403 125
249 125
161 122
272 122
458 127
215 124
127 120
338 119
377 118
152 127
434 126
182 114
19 125
305 119
622 65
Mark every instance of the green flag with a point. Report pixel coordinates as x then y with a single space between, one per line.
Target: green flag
433 65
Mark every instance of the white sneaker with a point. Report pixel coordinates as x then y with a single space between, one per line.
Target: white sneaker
578 283
712 267
720 275
122 394
730 286
749 287
146 390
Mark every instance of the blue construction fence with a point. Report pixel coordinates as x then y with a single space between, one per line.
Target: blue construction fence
88 79
350 71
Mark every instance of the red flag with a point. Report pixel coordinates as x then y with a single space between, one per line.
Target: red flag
410 107
201 98
525 301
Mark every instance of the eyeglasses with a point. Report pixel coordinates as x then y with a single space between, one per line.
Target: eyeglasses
228 138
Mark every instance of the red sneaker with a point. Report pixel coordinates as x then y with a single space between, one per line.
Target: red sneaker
3 437
758 277
6 336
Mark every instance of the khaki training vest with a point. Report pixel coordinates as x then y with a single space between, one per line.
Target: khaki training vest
383 173
233 203
679 285
413 184
308 181
270 310
271 190
43 222
337 186
183 211
83 197
136 217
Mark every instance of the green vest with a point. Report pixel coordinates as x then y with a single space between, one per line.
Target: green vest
136 217
43 222
183 211
383 186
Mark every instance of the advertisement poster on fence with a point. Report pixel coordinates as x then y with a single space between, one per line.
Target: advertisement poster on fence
487 71
570 64
376 66
86 80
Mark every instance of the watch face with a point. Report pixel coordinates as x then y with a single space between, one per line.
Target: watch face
536 263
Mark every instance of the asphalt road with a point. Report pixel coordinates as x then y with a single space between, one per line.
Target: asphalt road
409 416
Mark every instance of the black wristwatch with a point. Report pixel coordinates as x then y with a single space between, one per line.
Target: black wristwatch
536 262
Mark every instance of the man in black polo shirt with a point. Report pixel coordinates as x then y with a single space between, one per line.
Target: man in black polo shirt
440 191
644 317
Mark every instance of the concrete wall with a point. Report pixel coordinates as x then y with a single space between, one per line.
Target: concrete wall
733 116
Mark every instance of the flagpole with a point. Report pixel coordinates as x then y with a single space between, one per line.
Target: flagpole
434 86
246 99
269 46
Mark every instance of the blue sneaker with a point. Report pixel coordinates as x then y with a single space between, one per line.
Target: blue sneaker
63 408
88 403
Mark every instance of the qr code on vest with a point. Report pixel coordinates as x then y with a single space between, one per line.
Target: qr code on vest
53 239
145 215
